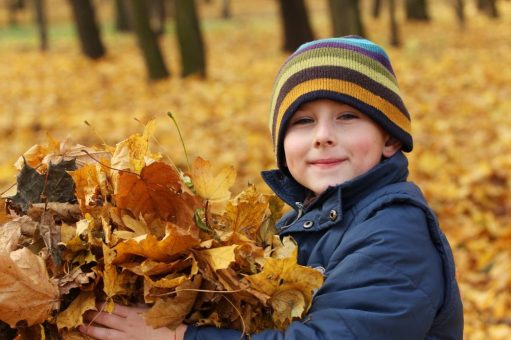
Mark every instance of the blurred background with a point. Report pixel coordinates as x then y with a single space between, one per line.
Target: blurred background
96 70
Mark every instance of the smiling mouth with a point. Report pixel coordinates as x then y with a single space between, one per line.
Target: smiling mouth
327 163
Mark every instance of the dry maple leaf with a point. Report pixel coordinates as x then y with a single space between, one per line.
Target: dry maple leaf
72 316
176 241
171 311
211 186
157 193
26 292
246 212
133 153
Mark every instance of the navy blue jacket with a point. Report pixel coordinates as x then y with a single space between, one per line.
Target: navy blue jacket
389 270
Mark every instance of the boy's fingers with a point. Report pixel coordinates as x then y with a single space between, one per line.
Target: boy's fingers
110 320
101 333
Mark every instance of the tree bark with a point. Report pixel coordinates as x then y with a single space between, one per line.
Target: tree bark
41 22
376 10
13 7
157 16
226 9
489 7
346 18
147 41
459 7
88 30
295 23
395 39
191 44
417 10
122 17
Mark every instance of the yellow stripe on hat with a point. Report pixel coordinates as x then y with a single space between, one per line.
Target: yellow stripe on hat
343 87
340 61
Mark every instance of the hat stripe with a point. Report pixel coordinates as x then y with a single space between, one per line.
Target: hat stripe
362 65
356 91
378 54
342 73
335 55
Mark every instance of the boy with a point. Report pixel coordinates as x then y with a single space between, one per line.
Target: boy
339 128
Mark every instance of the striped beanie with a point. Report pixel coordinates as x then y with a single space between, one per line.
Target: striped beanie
350 70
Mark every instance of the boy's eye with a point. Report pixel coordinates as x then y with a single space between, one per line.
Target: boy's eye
347 116
302 121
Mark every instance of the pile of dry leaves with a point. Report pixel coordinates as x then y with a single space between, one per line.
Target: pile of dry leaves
119 224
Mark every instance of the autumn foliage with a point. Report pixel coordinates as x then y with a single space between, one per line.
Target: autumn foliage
120 225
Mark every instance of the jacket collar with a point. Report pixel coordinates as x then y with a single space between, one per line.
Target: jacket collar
391 170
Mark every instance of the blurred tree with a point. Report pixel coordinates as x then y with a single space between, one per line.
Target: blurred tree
346 19
122 18
88 30
147 40
13 7
489 7
157 16
41 22
226 9
395 39
376 8
417 10
459 8
189 35
295 22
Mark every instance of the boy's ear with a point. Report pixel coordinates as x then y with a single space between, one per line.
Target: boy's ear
392 145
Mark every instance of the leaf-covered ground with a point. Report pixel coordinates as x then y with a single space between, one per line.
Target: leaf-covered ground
456 85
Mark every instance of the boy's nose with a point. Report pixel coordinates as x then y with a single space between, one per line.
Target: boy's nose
324 135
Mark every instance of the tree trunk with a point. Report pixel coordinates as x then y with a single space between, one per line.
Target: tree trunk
190 39
122 17
226 9
417 10
395 39
459 7
42 26
157 16
489 7
88 30
376 8
13 7
346 19
147 40
295 23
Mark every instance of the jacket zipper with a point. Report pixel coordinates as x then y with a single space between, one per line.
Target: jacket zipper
298 205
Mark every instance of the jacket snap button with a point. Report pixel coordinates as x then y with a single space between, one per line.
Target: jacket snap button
332 215
307 224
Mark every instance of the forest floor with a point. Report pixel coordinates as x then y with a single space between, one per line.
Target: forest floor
455 83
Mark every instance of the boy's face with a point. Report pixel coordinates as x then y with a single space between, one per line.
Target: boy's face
328 143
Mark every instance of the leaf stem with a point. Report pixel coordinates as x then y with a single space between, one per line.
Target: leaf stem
181 138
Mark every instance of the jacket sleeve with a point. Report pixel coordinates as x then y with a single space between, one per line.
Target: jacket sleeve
383 281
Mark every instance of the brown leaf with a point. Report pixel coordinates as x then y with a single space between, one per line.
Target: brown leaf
157 192
26 292
175 242
170 312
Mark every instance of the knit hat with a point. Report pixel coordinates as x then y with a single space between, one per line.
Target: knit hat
350 70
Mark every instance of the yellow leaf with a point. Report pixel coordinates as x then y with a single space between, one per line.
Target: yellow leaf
220 257
210 186
287 303
131 153
26 292
72 317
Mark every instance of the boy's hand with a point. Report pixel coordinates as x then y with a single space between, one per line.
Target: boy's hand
125 323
